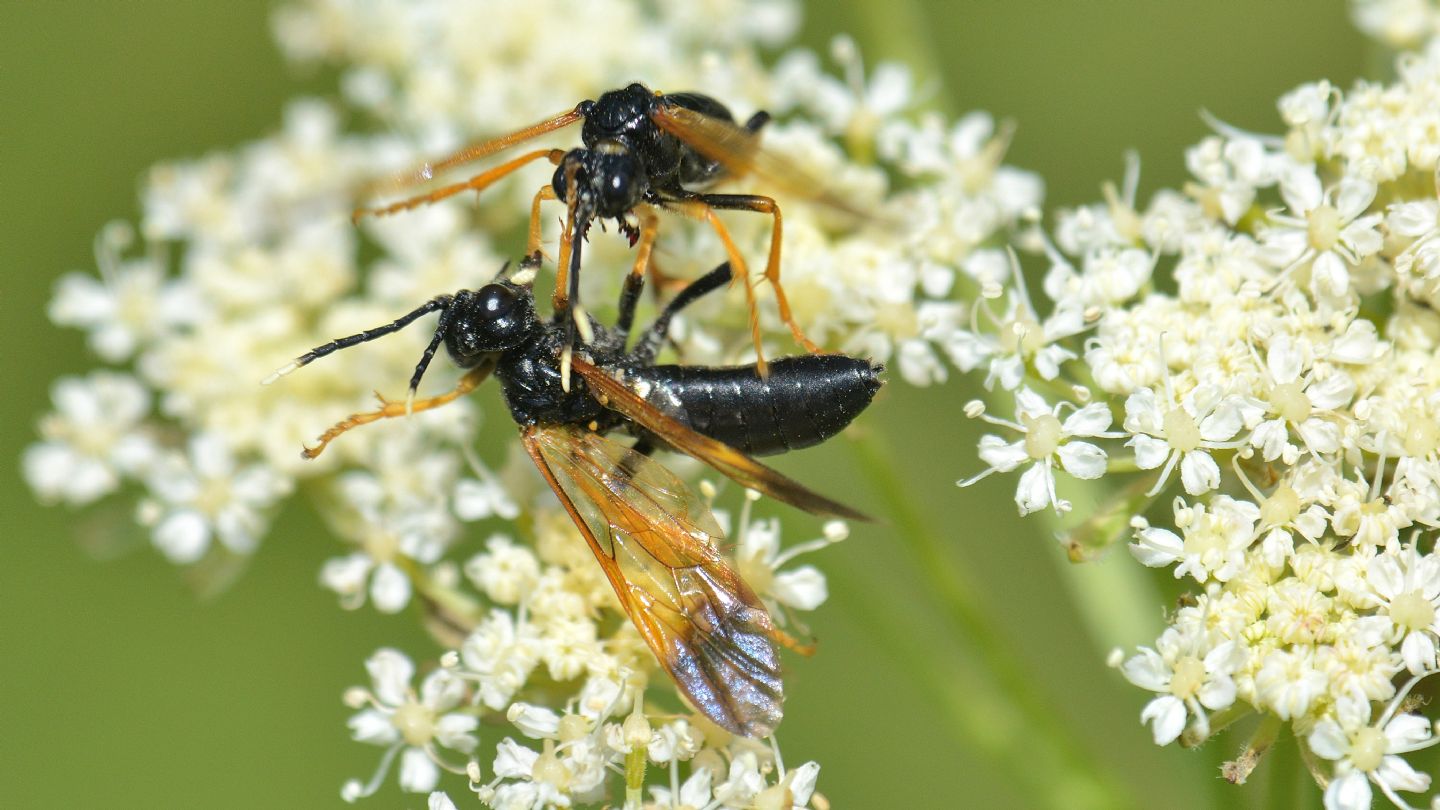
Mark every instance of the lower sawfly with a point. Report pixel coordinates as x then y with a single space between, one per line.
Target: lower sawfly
656 540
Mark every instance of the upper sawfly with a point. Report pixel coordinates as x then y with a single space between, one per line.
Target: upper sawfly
643 150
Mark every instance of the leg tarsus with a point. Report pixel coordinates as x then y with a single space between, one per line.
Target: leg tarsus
766 205
390 409
477 183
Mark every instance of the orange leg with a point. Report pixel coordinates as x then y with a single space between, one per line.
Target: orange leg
649 225
532 245
477 183
766 205
393 408
740 273
560 300
791 643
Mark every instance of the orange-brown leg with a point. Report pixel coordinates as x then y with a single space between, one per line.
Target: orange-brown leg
532 245
792 643
477 183
392 408
560 300
740 272
649 226
766 205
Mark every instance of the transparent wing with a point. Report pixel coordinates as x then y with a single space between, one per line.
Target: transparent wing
743 152
658 544
725 459
476 151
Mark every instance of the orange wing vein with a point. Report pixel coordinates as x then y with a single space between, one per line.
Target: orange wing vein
658 544
742 152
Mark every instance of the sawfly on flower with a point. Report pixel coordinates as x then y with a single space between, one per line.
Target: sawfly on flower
643 151
655 538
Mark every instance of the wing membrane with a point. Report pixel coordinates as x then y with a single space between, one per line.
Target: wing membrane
430 170
659 546
741 151
732 463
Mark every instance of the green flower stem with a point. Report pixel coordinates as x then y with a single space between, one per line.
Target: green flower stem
1017 724
1284 767
1116 597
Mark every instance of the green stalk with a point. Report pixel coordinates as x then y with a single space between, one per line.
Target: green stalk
1068 774
1284 766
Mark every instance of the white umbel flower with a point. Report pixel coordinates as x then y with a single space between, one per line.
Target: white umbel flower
1048 442
1189 678
1366 753
94 440
413 725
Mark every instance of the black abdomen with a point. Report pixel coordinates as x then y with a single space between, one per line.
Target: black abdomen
804 401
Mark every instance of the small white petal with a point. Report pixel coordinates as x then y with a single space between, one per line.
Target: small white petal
1167 717
1329 740
457 731
1348 792
418 773
390 672
374 727
1155 547
514 761
1398 774
1036 484
441 690
1353 197
1082 459
1147 670
389 588
1284 360
803 588
1418 651
1150 452
1407 730
1199 472
183 536
1217 693
1002 455
802 783
1090 420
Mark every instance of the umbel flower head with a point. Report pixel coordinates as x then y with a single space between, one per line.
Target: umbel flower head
545 696
1290 379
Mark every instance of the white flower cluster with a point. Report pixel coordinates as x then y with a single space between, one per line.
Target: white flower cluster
246 257
1264 342
1397 23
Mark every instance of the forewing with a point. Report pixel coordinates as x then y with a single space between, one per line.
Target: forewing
743 152
725 459
476 151
658 544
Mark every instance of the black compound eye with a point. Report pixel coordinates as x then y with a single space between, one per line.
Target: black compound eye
496 300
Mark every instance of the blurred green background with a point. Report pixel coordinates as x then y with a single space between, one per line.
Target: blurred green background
122 689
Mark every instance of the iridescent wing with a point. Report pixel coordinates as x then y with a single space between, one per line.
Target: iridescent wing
742 152
658 544
725 459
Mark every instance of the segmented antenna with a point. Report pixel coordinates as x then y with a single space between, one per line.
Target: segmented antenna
441 302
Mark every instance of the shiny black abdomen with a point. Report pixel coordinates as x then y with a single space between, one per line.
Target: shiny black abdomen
803 402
